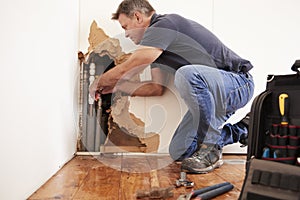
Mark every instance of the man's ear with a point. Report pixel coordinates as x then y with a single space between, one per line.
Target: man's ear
139 17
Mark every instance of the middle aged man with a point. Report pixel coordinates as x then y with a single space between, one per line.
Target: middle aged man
212 79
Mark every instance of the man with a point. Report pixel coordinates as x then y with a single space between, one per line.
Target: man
213 80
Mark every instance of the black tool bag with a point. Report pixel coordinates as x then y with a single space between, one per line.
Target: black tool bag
273 157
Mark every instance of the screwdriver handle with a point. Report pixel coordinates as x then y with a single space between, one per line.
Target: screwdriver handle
284 107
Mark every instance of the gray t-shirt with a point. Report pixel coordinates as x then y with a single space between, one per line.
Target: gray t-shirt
186 42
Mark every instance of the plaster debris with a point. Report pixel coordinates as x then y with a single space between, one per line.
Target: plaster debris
96 36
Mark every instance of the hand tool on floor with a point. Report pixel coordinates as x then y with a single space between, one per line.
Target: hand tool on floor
208 192
215 192
155 192
182 181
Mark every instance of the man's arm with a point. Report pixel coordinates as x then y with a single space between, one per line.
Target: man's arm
138 61
155 87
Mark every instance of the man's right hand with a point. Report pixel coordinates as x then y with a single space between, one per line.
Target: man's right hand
94 89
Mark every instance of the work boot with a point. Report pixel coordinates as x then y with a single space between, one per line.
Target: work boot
244 137
205 160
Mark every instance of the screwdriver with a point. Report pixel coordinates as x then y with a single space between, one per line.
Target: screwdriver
284 108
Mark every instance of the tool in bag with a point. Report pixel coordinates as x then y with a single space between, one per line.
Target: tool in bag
274 141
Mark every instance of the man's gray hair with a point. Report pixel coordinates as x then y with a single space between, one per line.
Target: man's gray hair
128 7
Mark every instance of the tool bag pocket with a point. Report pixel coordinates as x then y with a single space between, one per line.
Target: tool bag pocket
282 144
268 180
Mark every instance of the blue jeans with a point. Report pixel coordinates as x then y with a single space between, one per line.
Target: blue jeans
212 96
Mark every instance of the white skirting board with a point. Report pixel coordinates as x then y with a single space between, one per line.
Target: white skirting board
234 149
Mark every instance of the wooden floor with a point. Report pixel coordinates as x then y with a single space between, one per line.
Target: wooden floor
119 177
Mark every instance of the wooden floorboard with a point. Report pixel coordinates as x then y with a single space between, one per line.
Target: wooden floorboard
120 177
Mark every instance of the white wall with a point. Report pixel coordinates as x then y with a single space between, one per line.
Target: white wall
265 32
38 51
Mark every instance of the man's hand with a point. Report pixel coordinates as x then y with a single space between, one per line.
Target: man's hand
108 90
95 90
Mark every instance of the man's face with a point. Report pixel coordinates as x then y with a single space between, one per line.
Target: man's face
133 27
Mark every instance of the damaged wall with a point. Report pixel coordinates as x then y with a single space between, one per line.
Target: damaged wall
108 124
